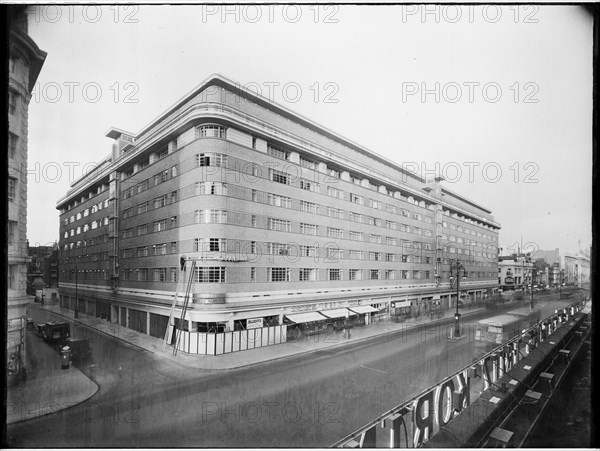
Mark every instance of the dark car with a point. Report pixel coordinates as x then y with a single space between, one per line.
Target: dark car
80 349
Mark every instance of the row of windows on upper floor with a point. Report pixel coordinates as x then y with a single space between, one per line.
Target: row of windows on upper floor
86 227
220 188
90 194
85 258
91 241
221 160
218 274
85 274
86 212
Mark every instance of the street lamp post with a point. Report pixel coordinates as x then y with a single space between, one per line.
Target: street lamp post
455 268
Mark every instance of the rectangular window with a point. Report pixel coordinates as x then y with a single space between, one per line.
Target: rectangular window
356 255
416 274
335 213
143 274
279 225
253 271
375 239
376 256
210 274
159 226
354 274
309 186
373 274
159 249
308 251
160 274
142 251
356 236
142 208
308 229
12 189
279 249
390 274
279 201
334 274
277 153
210 216
356 217
309 207
306 163
307 274
334 192
13 98
390 241
173 272
279 274
390 257
354 198
405 274
279 177
333 232
172 197
173 247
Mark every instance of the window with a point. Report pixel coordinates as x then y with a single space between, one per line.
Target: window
173 277
405 274
416 274
306 163
208 159
279 249
390 241
159 249
172 197
159 226
215 188
128 233
277 153
356 199
211 131
253 269
376 204
405 259
142 208
142 229
160 201
334 192
279 274
375 239
356 236
13 140
391 225
308 229
356 255
391 209
307 274
279 225
355 217
390 274
332 172
354 274
390 257
142 251
210 274
160 274
334 274
143 274
308 251
128 213
210 216
13 98
373 274
375 256
309 186
309 207
127 253
12 184
333 232
280 201
333 252
173 247
279 177
335 213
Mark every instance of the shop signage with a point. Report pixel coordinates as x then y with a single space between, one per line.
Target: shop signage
254 323
323 306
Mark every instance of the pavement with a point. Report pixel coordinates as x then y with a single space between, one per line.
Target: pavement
240 359
47 388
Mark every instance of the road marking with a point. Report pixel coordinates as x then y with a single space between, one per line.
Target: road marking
369 368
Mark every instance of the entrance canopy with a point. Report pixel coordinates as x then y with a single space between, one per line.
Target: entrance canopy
337 313
305 317
363 309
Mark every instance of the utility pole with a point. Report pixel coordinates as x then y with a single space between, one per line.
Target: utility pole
76 312
455 268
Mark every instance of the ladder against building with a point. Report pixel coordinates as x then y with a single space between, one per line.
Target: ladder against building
168 339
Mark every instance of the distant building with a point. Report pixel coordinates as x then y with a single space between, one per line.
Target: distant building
24 65
577 269
549 257
44 262
514 271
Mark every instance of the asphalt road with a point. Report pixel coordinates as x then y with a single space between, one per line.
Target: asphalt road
311 400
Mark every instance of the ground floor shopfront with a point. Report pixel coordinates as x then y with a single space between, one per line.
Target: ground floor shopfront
220 329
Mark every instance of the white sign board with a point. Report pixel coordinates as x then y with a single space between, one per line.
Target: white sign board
254 323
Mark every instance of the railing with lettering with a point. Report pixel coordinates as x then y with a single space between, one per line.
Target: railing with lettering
415 421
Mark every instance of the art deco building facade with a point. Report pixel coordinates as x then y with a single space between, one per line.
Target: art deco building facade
24 65
283 218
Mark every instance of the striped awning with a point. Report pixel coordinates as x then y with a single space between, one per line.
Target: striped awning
363 309
305 317
336 313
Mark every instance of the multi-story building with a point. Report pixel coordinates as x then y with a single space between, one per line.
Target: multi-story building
514 271
285 221
24 65
43 261
577 269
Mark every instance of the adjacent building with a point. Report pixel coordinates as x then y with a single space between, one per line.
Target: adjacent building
514 271
577 269
275 221
24 64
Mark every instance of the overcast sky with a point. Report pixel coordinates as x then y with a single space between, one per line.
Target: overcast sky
497 100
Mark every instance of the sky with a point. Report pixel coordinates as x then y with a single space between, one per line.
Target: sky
498 100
